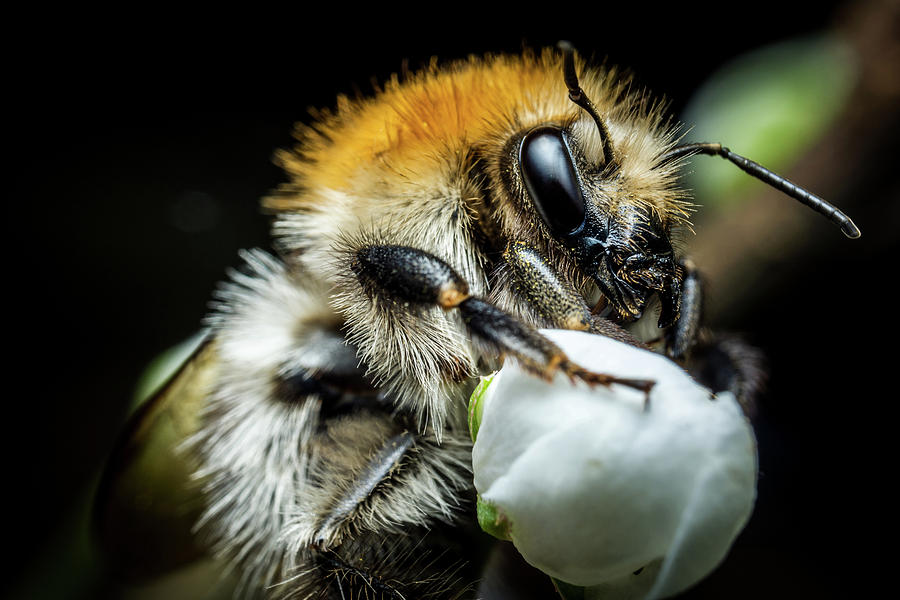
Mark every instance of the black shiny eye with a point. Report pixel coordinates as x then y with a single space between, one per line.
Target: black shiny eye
551 180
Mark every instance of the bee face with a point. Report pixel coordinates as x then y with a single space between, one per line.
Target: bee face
619 242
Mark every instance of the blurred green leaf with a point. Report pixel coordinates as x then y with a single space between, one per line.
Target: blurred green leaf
492 520
769 105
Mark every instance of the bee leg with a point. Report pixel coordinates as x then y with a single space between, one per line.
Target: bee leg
726 363
385 511
538 284
348 499
682 334
720 362
370 470
554 298
415 277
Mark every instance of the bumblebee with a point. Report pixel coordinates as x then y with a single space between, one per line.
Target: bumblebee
317 435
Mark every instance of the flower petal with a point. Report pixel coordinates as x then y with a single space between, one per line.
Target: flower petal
596 486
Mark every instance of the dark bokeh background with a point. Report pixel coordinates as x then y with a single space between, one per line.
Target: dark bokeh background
139 154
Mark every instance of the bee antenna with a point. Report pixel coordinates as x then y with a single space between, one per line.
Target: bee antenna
577 95
775 180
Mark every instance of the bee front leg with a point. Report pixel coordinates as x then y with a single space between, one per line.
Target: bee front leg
417 278
552 297
680 337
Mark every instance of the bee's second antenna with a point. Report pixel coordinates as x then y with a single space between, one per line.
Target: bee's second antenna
577 95
821 206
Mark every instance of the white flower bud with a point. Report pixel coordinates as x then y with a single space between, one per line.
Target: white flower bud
597 489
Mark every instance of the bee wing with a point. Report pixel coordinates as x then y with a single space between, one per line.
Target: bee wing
147 502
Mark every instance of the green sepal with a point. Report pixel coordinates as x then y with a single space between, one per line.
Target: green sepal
476 406
492 520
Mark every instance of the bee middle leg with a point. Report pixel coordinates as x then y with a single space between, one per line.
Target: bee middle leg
682 334
389 508
414 277
720 362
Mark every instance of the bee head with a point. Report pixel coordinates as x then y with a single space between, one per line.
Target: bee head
613 211
622 245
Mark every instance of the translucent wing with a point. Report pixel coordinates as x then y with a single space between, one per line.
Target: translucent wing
146 503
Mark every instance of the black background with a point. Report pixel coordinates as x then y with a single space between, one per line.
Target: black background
116 129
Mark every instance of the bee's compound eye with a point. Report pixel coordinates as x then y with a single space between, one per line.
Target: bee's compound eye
551 180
